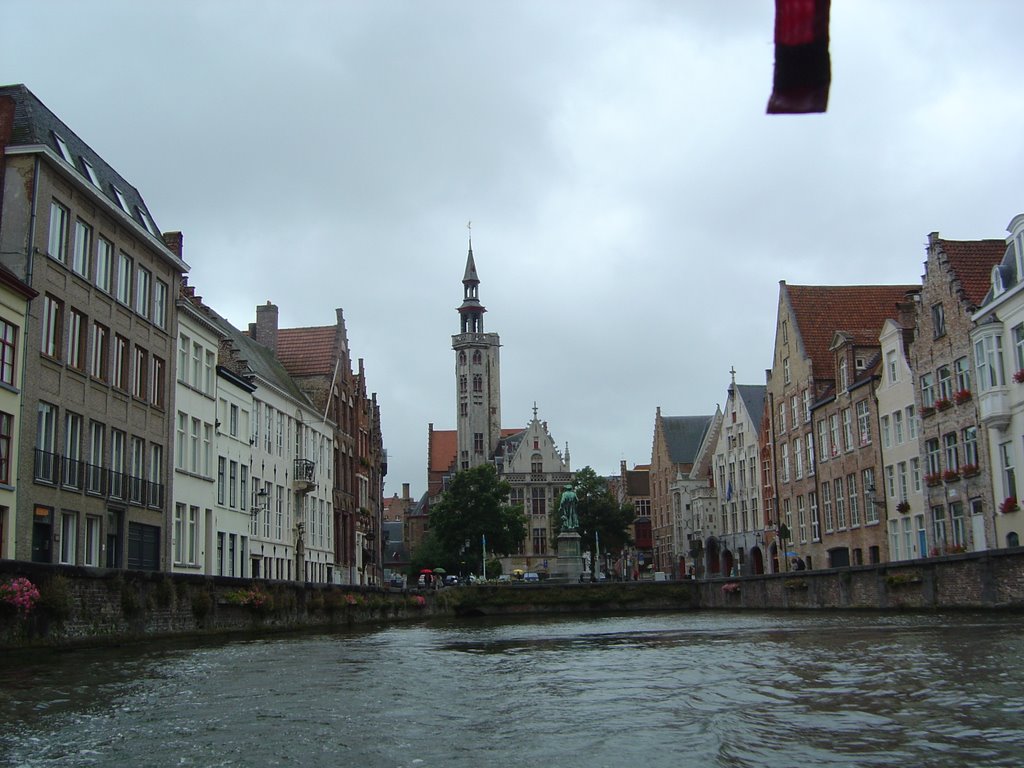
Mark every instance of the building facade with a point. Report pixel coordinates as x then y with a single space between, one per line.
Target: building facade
14 298
961 508
731 531
825 339
998 344
100 349
677 441
902 477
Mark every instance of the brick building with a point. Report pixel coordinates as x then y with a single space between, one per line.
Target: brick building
960 504
820 399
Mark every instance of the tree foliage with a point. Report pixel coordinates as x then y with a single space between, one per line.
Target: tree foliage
475 505
599 511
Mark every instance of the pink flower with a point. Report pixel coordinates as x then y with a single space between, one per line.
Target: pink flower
21 593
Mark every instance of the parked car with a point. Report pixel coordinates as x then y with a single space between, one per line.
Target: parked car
451 580
531 577
397 581
505 579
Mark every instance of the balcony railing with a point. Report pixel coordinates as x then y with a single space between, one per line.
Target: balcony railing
304 477
96 481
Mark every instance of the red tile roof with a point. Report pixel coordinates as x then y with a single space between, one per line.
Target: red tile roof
444 448
307 351
972 262
858 310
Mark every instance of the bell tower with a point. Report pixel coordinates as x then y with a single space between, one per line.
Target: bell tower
477 377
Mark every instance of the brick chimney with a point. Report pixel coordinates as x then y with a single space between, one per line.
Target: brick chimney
405 491
174 242
266 325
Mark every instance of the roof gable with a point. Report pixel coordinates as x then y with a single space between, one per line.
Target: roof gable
857 310
971 263
307 351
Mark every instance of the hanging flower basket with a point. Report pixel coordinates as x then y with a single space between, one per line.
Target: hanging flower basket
1009 505
943 404
1019 376
903 507
962 396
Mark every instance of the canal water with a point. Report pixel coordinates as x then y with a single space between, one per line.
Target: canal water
707 689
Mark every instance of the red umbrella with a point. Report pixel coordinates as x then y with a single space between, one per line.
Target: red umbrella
426 570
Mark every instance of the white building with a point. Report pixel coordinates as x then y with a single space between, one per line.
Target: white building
902 474
739 524
538 473
195 400
998 340
289 481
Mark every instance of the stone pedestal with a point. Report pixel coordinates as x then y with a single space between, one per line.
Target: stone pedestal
568 567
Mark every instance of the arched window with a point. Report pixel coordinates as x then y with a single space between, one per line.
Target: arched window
1012 539
462 383
478 382
477 357
462 358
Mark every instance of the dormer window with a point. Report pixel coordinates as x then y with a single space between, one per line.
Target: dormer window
150 226
121 201
844 373
63 147
997 281
91 173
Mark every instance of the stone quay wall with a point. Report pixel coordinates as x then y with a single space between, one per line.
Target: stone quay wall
89 606
972 581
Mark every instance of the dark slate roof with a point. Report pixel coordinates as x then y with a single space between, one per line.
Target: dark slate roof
35 125
752 396
638 482
857 310
683 436
260 359
972 262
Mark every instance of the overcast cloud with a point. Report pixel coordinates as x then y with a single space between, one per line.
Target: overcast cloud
633 206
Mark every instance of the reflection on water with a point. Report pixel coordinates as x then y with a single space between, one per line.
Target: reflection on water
707 689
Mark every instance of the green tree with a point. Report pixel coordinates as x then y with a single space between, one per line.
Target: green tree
600 512
473 506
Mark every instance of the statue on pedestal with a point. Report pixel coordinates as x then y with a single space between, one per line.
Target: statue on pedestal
567 510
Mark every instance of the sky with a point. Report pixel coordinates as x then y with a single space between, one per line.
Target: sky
633 207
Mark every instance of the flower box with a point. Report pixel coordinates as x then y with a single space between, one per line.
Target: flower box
1019 376
933 480
1009 505
970 470
950 476
962 396
943 404
926 411
903 507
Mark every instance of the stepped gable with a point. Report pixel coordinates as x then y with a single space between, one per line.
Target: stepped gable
971 262
859 311
307 351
